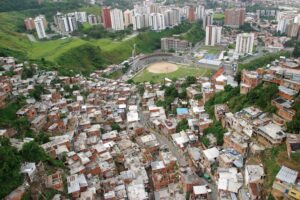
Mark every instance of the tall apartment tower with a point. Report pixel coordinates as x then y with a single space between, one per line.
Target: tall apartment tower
172 17
191 14
40 27
244 43
106 17
127 17
72 22
234 17
208 20
213 35
200 12
92 19
157 21
29 24
117 21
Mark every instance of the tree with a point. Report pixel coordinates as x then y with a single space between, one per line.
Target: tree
190 80
116 127
296 156
37 92
218 131
205 141
32 152
182 125
10 164
296 52
198 96
183 94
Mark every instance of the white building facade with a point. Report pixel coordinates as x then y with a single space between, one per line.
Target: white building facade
213 35
40 27
117 20
244 43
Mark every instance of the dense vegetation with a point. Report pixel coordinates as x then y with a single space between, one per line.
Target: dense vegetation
246 28
11 161
83 59
32 7
122 4
182 125
261 97
294 125
8 118
9 168
263 61
195 34
98 32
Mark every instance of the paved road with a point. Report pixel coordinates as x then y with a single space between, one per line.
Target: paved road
178 153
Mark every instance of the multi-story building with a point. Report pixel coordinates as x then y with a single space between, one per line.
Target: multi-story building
117 21
244 43
200 12
293 30
249 80
213 35
283 23
137 22
92 19
140 21
191 14
171 17
80 17
65 23
29 24
157 22
106 19
72 22
207 20
175 44
234 17
127 17
39 23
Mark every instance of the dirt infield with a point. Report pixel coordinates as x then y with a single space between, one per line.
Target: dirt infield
162 67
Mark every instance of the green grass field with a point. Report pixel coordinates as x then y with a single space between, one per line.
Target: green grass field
218 16
181 72
211 49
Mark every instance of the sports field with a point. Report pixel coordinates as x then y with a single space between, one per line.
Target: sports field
158 71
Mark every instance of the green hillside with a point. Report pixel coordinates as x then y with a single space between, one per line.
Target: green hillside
14 43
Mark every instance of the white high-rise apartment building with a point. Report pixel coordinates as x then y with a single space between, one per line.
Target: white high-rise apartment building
80 17
72 22
137 22
127 17
40 27
200 12
244 43
213 35
117 21
207 20
171 17
157 21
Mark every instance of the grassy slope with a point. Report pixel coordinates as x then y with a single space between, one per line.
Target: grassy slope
182 71
9 37
111 51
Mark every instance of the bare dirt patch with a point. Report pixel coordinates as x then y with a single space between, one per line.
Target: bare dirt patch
162 67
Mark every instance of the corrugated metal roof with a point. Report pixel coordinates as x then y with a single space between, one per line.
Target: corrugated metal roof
287 175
